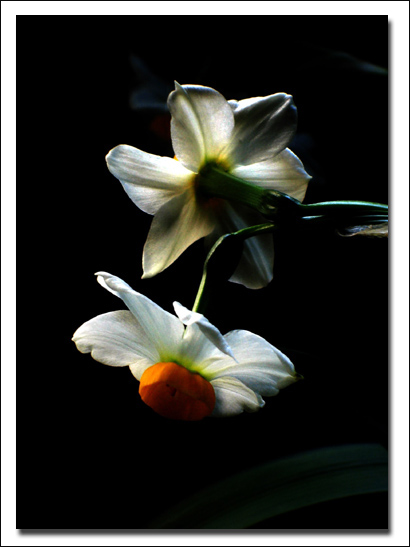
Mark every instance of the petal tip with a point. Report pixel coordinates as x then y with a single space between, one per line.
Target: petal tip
109 156
102 275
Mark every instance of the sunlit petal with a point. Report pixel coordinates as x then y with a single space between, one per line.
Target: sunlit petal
163 330
177 225
117 339
201 125
149 180
284 173
197 352
210 331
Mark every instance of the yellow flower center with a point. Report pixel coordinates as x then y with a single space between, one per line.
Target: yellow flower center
215 204
176 393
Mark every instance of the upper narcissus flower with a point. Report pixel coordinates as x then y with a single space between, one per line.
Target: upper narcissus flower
246 139
186 368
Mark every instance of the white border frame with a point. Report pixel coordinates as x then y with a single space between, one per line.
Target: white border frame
398 13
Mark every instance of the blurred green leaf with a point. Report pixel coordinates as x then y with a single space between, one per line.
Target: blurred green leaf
280 486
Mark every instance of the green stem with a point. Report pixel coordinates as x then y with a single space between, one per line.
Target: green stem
277 206
346 221
201 300
213 182
343 208
266 228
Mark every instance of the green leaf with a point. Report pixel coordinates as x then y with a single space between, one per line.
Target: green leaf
280 486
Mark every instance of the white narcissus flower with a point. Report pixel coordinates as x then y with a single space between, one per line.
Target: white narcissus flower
246 139
186 368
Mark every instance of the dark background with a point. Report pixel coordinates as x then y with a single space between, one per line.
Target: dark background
90 453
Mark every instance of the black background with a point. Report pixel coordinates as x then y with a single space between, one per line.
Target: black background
90 453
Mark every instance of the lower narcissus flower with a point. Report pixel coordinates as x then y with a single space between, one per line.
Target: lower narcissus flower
187 370
247 139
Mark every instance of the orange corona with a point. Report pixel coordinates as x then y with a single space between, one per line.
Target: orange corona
176 393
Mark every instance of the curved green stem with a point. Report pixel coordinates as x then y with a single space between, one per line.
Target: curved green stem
222 246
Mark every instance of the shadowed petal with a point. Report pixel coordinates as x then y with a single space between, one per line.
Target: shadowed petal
233 397
264 126
255 267
261 366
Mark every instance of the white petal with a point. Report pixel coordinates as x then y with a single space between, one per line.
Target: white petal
233 397
177 225
201 125
233 103
197 352
261 366
284 172
210 331
255 268
117 339
149 180
163 329
264 126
